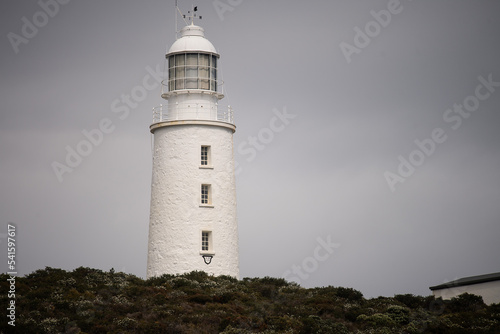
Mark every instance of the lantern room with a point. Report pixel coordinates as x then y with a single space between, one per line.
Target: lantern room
192 62
192 88
192 71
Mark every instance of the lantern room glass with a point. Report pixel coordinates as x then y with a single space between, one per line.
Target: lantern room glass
192 71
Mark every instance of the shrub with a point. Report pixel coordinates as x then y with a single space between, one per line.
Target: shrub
349 294
315 324
92 301
410 300
277 282
399 314
223 278
377 320
158 280
466 302
352 313
125 323
195 275
231 330
282 323
200 299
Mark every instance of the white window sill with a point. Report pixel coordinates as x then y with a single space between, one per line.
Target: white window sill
210 253
206 167
206 206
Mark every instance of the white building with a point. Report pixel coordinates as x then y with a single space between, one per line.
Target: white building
193 223
486 286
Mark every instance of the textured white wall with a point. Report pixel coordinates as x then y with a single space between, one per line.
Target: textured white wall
177 219
490 291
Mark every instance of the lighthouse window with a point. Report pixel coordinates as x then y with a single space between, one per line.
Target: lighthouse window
179 71
205 241
205 155
205 194
204 71
192 71
171 73
213 74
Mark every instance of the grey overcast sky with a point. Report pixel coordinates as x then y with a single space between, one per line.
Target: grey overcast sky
392 154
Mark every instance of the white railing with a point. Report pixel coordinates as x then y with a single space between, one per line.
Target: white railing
193 111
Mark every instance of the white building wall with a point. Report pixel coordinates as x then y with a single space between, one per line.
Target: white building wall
490 291
177 217
193 106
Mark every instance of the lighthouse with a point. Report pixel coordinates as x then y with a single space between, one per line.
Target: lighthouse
193 223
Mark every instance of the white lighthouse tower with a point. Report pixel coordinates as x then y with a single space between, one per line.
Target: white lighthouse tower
193 223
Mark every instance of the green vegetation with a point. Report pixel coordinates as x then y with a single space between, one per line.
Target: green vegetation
93 301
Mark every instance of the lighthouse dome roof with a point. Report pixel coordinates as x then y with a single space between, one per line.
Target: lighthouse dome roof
192 40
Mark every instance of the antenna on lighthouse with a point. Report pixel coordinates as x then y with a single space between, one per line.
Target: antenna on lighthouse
191 16
178 12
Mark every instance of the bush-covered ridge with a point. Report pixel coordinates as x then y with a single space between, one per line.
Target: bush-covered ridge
93 301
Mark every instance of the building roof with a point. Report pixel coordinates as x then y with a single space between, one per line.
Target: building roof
468 281
192 40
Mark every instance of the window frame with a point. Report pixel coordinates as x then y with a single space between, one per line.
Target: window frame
208 158
209 242
206 195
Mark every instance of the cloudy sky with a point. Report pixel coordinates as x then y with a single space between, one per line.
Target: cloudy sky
391 148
